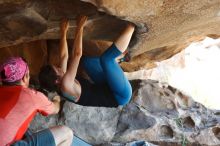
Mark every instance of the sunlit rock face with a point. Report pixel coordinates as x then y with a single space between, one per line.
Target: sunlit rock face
194 71
172 25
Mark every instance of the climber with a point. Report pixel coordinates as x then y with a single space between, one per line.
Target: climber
109 86
19 104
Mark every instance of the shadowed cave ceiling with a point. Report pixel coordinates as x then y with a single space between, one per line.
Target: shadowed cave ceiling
163 27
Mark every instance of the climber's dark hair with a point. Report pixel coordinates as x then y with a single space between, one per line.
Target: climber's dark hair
47 78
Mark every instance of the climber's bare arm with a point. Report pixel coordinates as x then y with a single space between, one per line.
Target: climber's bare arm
123 40
63 48
69 84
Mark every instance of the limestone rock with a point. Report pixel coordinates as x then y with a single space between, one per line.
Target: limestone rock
193 71
99 124
172 25
40 122
189 123
163 27
158 112
153 120
95 125
34 52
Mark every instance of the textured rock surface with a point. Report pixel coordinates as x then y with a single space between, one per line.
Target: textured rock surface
168 117
99 124
193 71
34 52
175 120
158 113
171 24
38 19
